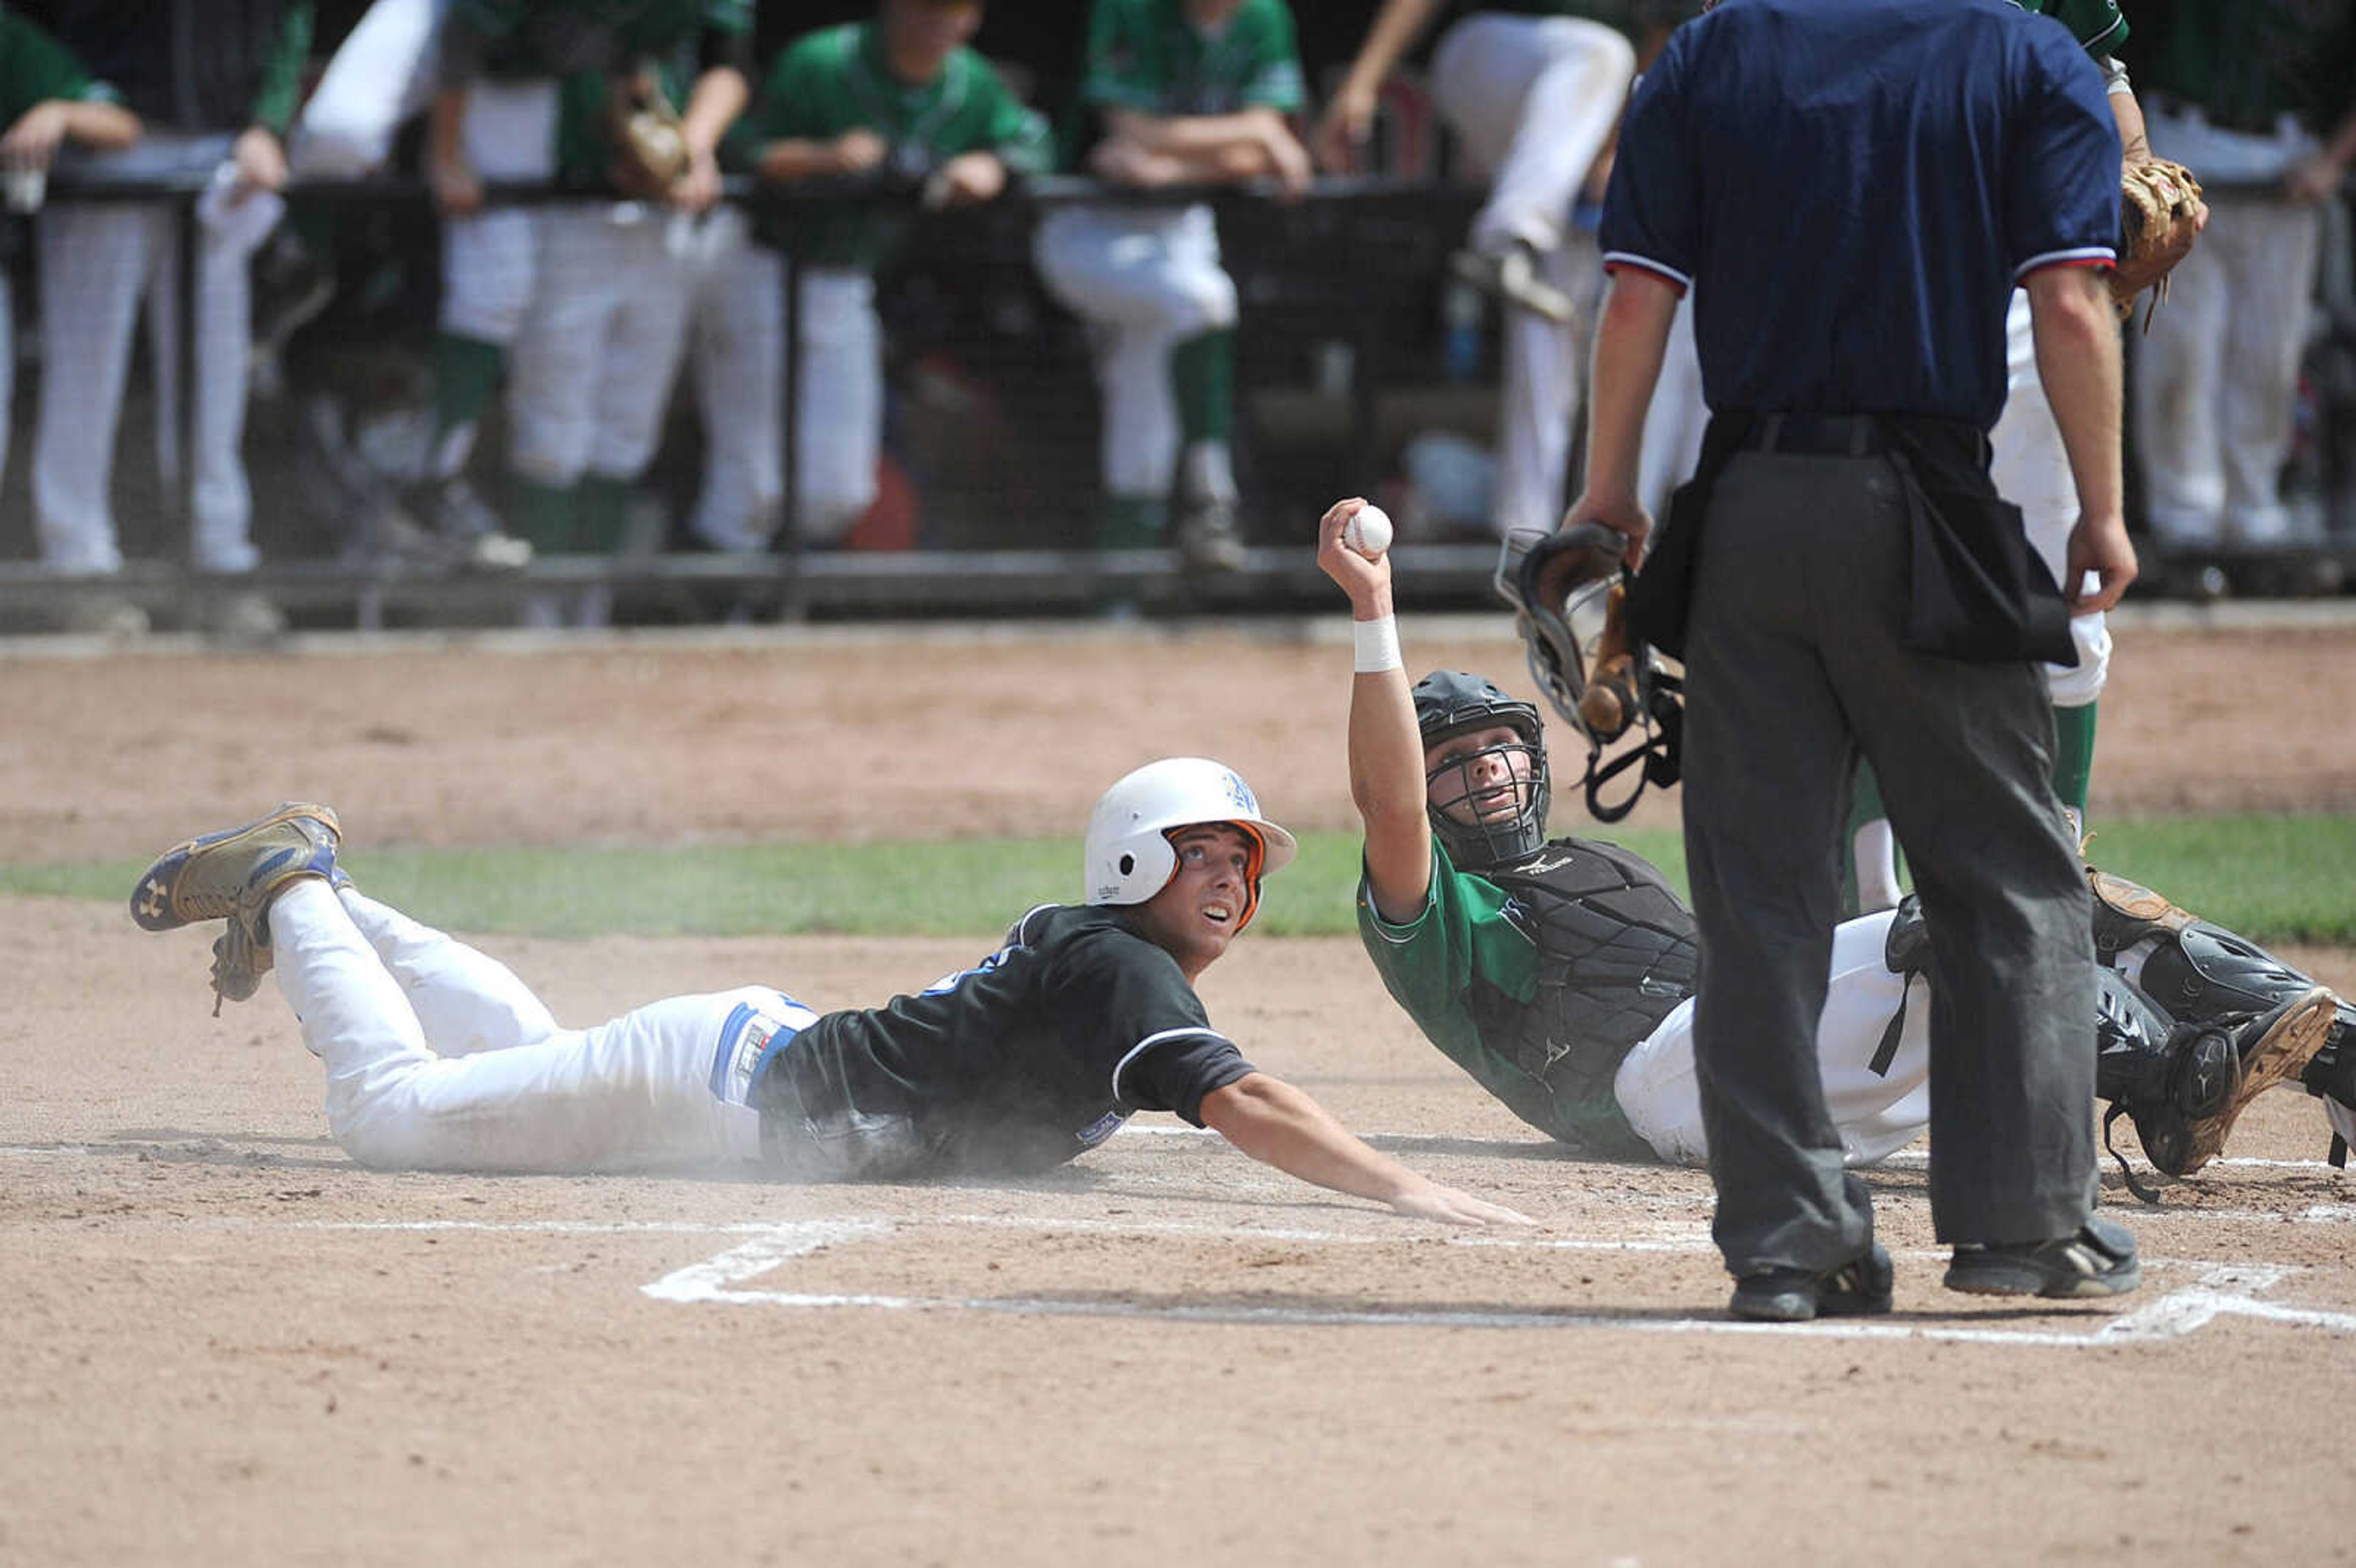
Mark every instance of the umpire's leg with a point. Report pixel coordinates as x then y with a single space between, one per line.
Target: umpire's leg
1965 756
1767 749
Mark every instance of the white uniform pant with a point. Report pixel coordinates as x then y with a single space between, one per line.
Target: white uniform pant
1145 279
2032 470
589 378
737 365
439 1058
1677 420
1877 1114
381 75
1531 101
490 260
2215 378
100 262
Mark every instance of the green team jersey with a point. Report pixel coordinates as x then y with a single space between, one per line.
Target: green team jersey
35 68
1539 975
1439 965
839 78
2250 62
2097 24
585 42
1146 57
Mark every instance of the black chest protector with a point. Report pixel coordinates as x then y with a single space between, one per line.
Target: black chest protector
1616 954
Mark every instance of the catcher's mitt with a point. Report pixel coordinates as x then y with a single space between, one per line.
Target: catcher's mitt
2160 211
649 146
1571 593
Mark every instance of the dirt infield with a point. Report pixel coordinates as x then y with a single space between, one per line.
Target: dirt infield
225 1342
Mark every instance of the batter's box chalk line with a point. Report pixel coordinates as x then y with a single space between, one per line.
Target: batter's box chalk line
2220 1291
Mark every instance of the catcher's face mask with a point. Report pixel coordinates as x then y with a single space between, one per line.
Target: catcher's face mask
1485 770
1485 782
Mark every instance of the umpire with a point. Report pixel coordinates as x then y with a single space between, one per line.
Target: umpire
1851 189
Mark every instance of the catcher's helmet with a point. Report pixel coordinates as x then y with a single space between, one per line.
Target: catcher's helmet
1128 851
1449 702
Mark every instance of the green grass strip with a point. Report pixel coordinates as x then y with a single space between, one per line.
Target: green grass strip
2274 879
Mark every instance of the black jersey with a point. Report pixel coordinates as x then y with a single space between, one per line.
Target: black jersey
1029 1059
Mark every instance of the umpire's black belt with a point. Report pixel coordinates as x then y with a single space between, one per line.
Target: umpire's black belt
1815 436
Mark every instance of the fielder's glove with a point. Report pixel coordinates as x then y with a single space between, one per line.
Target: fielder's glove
649 146
2160 211
1587 670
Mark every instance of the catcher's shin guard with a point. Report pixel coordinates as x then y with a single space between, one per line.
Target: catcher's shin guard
2178 1113
2162 1074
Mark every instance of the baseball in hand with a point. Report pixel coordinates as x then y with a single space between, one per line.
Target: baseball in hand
1368 532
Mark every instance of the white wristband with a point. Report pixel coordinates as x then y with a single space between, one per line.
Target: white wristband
1379 648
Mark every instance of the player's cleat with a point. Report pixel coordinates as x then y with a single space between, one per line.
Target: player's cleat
2272 1047
232 874
220 875
1859 1289
1208 538
2098 1259
1512 274
244 615
474 532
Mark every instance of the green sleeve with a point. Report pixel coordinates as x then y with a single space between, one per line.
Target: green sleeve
2097 24
1430 962
282 77
791 100
1011 128
1112 74
728 15
1275 81
36 68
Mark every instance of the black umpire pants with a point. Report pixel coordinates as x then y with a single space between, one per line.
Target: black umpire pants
1794 663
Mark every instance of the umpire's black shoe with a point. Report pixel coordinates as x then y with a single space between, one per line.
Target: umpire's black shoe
2099 1259
1859 1289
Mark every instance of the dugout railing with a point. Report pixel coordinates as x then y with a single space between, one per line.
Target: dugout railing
1342 358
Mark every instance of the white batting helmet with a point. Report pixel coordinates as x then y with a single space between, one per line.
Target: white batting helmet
1128 851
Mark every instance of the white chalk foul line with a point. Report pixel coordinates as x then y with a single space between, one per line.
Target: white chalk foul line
2221 1291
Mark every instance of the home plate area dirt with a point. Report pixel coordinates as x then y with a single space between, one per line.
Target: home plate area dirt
226 1342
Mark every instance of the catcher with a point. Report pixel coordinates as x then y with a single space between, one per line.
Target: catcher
439 1058
1559 973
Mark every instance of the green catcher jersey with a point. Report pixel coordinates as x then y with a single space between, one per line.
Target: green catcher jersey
839 80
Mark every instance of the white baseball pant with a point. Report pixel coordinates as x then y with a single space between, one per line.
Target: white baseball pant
381 75
1877 1114
737 364
1531 100
2032 470
490 260
1145 279
439 1058
591 373
2216 377
100 261
1677 420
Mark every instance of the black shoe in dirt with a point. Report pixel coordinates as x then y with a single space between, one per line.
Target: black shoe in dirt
2098 1259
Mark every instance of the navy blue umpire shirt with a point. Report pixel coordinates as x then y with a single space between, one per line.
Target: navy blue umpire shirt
1829 184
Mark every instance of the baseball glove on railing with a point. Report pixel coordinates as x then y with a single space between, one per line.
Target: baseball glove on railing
2160 211
649 146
